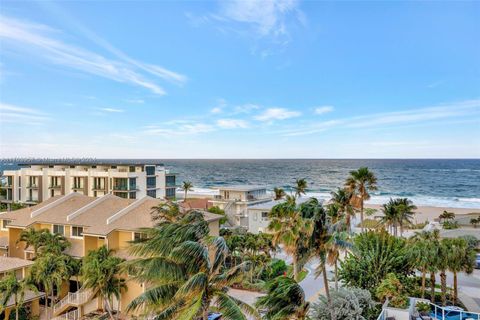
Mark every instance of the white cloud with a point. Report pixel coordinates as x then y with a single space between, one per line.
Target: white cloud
323 109
277 114
268 17
138 101
379 120
183 128
114 110
246 108
39 40
232 123
15 114
216 110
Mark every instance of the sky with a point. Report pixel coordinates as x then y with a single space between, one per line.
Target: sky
240 79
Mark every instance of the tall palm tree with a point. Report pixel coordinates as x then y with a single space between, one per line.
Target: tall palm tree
338 242
285 299
290 228
10 287
100 271
445 255
53 243
186 187
406 211
342 198
186 269
49 270
360 182
300 187
461 258
279 193
422 253
391 217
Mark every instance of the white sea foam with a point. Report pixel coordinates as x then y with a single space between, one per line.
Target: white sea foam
419 200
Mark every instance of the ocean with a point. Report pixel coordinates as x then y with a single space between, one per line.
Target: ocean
441 183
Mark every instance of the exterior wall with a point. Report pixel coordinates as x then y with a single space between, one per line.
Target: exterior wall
214 227
134 290
119 240
15 249
256 223
20 191
91 243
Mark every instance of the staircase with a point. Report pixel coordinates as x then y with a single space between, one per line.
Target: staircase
71 315
72 300
230 215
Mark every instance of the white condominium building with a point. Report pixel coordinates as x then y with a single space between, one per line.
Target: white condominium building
38 181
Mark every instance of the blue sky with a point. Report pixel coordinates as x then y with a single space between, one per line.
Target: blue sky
240 79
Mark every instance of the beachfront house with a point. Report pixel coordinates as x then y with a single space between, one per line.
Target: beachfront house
39 181
235 200
88 223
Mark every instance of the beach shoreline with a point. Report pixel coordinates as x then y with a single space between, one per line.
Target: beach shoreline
428 213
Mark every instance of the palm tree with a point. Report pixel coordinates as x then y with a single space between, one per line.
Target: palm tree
461 258
445 255
49 270
33 238
445 215
342 199
300 187
422 253
186 186
390 218
360 182
285 299
338 242
186 269
166 211
475 222
100 271
406 211
289 228
74 267
52 243
279 193
10 287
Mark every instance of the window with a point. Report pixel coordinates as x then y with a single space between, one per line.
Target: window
264 216
59 229
152 193
77 231
150 170
139 236
151 182
170 181
133 195
131 169
170 192
5 223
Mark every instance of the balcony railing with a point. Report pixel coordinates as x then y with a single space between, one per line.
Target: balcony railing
54 186
98 187
120 188
32 186
6 185
74 187
32 200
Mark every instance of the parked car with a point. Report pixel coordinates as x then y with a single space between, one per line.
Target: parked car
477 262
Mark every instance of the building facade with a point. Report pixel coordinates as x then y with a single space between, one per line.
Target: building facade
235 201
37 182
88 223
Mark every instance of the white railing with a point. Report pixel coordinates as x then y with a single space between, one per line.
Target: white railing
382 315
72 315
73 298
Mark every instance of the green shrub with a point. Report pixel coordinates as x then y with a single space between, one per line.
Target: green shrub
423 306
273 269
369 224
450 225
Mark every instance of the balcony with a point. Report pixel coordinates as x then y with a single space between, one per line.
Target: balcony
120 188
6 186
32 200
32 186
99 188
74 187
54 186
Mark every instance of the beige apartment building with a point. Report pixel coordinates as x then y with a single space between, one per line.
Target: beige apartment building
88 223
39 181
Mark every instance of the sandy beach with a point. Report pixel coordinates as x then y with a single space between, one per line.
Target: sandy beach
429 213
